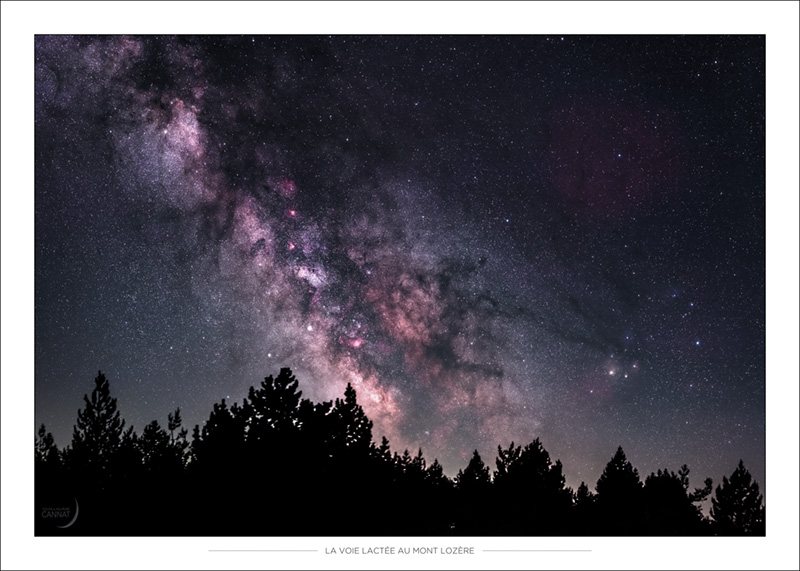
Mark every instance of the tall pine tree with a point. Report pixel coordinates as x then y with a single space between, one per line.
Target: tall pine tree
737 508
48 458
473 487
619 497
355 429
669 505
97 434
532 491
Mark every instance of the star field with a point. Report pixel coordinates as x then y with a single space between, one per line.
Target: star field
492 238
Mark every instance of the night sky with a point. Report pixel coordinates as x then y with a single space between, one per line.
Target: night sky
493 238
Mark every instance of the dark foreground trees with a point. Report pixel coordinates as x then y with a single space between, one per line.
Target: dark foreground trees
670 508
279 464
526 483
737 506
620 503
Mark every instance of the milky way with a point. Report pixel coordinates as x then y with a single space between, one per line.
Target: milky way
492 239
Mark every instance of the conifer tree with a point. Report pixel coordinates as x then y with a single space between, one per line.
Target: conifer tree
473 488
128 465
619 496
382 452
475 477
736 507
178 444
584 511
97 434
272 409
154 444
47 454
355 429
532 490
436 478
584 496
506 460
669 505
219 444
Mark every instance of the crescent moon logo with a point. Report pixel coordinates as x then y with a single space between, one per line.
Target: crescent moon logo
73 517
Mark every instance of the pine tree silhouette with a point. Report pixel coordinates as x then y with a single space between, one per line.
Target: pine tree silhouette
473 485
382 453
584 496
178 445
93 456
669 506
382 480
161 478
402 464
128 468
352 466
94 462
736 507
218 461
175 422
271 424
619 497
585 516
418 467
48 475
533 491
438 497
220 441
355 429
163 454
475 477
505 460
314 467
48 458
350 448
311 463
97 434
271 410
435 477
409 488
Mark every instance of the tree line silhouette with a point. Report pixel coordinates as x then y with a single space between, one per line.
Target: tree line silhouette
280 465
